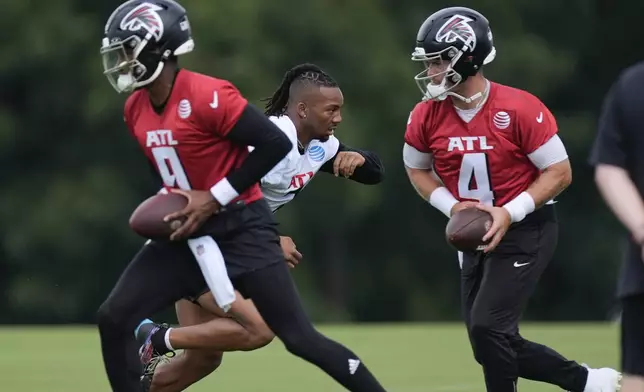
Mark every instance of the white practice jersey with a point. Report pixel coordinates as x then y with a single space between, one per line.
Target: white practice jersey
296 170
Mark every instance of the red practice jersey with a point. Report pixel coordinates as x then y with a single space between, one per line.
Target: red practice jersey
187 142
487 158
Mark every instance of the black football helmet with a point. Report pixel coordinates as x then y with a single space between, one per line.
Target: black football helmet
139 37
453 44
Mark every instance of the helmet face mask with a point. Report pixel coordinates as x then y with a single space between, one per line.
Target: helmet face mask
121 64
140 36
438 76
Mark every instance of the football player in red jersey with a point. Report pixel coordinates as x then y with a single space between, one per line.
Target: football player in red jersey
196 129
473 143
307 107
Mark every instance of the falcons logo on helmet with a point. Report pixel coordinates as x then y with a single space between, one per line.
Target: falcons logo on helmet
144 16
457 28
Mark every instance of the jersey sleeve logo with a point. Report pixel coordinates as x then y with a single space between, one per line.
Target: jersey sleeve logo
144 16
457 28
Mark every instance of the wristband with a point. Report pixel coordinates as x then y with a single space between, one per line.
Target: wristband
520 206
442 200
223 192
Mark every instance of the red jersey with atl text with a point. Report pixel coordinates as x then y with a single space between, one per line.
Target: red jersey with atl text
485 159
187 142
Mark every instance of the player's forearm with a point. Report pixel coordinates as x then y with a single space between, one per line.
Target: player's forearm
423 181
550 183
431 190
271 146
622 197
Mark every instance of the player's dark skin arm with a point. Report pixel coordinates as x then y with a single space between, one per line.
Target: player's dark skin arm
371 172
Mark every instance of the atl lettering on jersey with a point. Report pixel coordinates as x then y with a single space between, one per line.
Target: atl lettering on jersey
186 142
485 159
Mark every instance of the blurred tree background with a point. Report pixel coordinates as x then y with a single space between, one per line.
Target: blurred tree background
72 174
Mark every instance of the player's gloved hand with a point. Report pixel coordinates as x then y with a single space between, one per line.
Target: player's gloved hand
346 162
201 205
501 221
462 205
291 255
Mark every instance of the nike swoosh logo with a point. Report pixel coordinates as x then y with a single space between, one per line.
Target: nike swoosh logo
517 264
540 118
215 100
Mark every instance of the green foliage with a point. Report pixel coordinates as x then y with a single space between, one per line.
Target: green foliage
72 174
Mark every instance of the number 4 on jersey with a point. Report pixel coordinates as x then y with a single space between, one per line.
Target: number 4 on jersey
474 179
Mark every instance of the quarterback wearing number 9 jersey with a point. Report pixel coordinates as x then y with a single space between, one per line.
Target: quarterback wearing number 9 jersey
472 143
195 129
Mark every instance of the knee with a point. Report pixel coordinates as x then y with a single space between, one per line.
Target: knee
260 337
112 319
302 341
480 331
481 335
106 317
254 337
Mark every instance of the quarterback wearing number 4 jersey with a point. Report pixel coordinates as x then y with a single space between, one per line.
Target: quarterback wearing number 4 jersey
472 143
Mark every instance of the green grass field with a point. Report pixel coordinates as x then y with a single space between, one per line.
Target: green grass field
406 358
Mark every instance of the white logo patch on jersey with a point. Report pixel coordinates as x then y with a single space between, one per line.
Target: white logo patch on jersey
501 120
184 108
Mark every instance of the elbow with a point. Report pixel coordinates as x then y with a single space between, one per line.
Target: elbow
566 179
560 174
378 174
604 173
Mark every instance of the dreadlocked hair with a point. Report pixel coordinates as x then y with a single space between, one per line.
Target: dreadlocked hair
303 73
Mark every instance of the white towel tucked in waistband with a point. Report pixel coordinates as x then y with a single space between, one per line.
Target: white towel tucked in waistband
213 268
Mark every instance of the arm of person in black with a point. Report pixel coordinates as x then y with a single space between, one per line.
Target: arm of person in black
370 173
253 128
617 139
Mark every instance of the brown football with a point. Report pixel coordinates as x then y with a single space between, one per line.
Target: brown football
466 228
147 218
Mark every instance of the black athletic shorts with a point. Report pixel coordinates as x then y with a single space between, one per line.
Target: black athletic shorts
246 235
632 335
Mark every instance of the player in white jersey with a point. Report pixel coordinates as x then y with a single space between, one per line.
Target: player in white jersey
307 108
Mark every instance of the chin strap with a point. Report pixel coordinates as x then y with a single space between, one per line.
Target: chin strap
481 94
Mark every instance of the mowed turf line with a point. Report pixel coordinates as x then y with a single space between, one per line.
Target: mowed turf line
406 357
